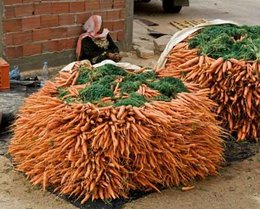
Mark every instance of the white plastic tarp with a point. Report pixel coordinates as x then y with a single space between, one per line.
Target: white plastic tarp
125 65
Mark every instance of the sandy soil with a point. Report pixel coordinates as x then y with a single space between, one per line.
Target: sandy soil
236 187
17 193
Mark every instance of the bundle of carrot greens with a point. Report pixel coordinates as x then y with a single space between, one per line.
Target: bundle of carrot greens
99 133
111 85
226 59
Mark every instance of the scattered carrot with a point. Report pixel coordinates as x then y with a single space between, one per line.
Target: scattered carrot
188 188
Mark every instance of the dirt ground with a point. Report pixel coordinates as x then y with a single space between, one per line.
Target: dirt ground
236 187
17 193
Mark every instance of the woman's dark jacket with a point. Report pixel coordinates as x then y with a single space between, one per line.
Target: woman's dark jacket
94 53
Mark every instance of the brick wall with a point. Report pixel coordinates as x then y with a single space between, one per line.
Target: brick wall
33 29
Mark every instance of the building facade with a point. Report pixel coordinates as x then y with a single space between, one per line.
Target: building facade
33 31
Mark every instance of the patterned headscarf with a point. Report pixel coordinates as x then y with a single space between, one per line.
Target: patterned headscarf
92 27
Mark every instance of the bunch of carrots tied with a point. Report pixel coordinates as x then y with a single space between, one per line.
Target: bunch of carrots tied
99 133
225 59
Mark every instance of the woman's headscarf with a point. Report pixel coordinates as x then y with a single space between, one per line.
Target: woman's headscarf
92 27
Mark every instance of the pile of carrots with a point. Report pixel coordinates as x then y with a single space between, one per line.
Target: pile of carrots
91 152
234 85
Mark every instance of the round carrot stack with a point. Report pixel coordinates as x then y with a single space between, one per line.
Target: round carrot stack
226 60
99 133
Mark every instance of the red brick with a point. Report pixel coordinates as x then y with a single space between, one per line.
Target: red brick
8 39
24 10
112 14
118 25
119 3
32 49
60 7
75 31
57 33
12 25
122 14
41 34
59 45
67 19
75 41
22 38
102 14
42 8
113 35
30 1
10 52
31 23
108 25
120 35
106 4
13 52
11 2
77 6
83 17
50 46
70 43
92 5
9 12
49 21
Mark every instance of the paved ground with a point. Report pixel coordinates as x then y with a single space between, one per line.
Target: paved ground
237 187
244 12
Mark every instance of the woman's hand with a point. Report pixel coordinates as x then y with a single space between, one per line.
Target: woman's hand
117 57
114 56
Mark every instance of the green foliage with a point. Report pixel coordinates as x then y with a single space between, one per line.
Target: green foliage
95 92
84 76
133 81
62 92
129 86
88 75
162 98
102 82
224 41
168 87
142 77
134 99
110 69
107 80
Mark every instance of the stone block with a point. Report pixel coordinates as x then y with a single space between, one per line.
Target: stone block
160 43
144 53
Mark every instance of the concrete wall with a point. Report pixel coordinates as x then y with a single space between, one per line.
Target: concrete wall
47 30
127 43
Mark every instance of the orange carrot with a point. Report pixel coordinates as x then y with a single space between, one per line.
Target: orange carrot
215 64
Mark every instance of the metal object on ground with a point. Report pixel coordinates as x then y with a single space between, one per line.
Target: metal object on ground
172 6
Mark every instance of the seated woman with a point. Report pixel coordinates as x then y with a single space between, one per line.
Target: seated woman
96 44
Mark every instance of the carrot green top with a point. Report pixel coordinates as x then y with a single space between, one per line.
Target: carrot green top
228 41
101 83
